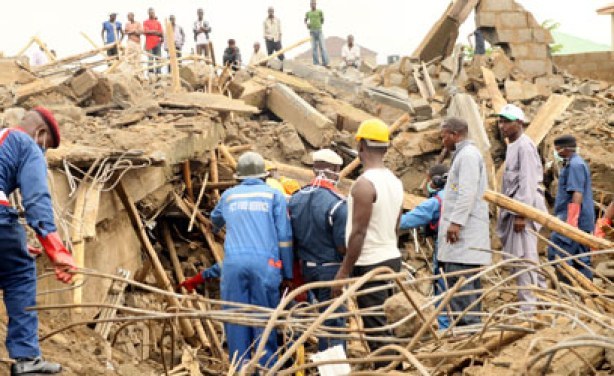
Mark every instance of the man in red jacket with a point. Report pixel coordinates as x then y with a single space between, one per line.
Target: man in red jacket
153 40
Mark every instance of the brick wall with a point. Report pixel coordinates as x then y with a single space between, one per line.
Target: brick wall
595 65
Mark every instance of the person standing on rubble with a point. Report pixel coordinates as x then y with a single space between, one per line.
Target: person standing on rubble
522 181
314 19
272 33
374 209
319 214
573 204
232 55
154 37
427 215
201 30
23 167
133 30
463 239
257 252
114 33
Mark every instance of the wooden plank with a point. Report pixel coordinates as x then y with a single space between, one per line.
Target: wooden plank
159 272
207 101
547 220
421 85
25 48
493 90
78 243
43 46
427 81
39 86
215 176
73 58
313 126
172 53
229 158
294 82
90 211
282 51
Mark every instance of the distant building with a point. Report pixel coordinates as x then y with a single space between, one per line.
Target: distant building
333 47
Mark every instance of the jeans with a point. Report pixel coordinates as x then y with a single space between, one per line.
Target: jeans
317 41
18 283
439 287
272 46
572 248
459 303
157 51
375 299
320 273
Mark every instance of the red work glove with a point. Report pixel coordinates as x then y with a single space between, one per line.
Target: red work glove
599 227
191 283
58 254
573 213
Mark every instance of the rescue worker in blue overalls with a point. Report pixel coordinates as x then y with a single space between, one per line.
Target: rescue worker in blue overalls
318 214
427 215
573 204
257 253
23 166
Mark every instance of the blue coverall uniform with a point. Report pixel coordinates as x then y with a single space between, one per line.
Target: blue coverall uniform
318 215
427 215
22 165
257 254
574 177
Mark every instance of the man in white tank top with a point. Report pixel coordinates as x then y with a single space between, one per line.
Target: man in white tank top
374 208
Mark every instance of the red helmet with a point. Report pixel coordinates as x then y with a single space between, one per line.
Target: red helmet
51 123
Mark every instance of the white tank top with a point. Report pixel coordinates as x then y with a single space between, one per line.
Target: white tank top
381 239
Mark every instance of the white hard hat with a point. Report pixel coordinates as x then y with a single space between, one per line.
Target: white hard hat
512 112
328 156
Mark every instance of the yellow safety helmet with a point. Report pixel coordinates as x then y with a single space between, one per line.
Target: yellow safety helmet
373 130
290 185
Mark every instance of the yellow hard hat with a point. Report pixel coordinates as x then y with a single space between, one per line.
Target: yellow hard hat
290 185
373 130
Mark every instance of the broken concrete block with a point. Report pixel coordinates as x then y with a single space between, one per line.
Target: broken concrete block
485 19
512 20
421 109
291 144
83 82
424 125
398 308
12 116
391 97
394 79
541 35
254 94
12 72
520 90
197 74
117 88
586 89
513 36
314 127
411 144
502 66
553 82
534 68
275 64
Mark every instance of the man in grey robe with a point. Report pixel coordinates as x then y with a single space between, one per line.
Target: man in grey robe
464 241
522 178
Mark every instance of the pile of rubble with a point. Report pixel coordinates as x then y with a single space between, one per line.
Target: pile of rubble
145 161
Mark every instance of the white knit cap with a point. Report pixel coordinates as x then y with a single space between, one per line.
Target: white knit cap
328 156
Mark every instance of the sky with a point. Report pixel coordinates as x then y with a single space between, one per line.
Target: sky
389 27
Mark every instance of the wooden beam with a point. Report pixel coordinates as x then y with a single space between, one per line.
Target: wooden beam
25 48
78 243
215 176
493 90
92 43
282 51
547 220
43 46
187 178
172 52
159 272
229 158
72 58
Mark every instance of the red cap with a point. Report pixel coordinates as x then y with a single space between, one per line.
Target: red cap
51 123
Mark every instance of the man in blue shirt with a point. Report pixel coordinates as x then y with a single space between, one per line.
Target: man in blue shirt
319 214
257 253
22 165
113 31
573 203
427 215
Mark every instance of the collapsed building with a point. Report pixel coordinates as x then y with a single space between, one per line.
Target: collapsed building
146 160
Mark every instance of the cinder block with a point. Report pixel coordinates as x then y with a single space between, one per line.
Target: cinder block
513 36
541 35
496 5
519 50
485 19
512 20
534 68
531 21
538 50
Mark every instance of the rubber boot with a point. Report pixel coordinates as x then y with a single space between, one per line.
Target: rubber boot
35 366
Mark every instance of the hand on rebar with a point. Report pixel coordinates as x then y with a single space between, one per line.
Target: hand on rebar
61 258
453 234
338 289
519 224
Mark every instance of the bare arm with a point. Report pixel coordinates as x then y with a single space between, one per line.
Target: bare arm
363 194
576 198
